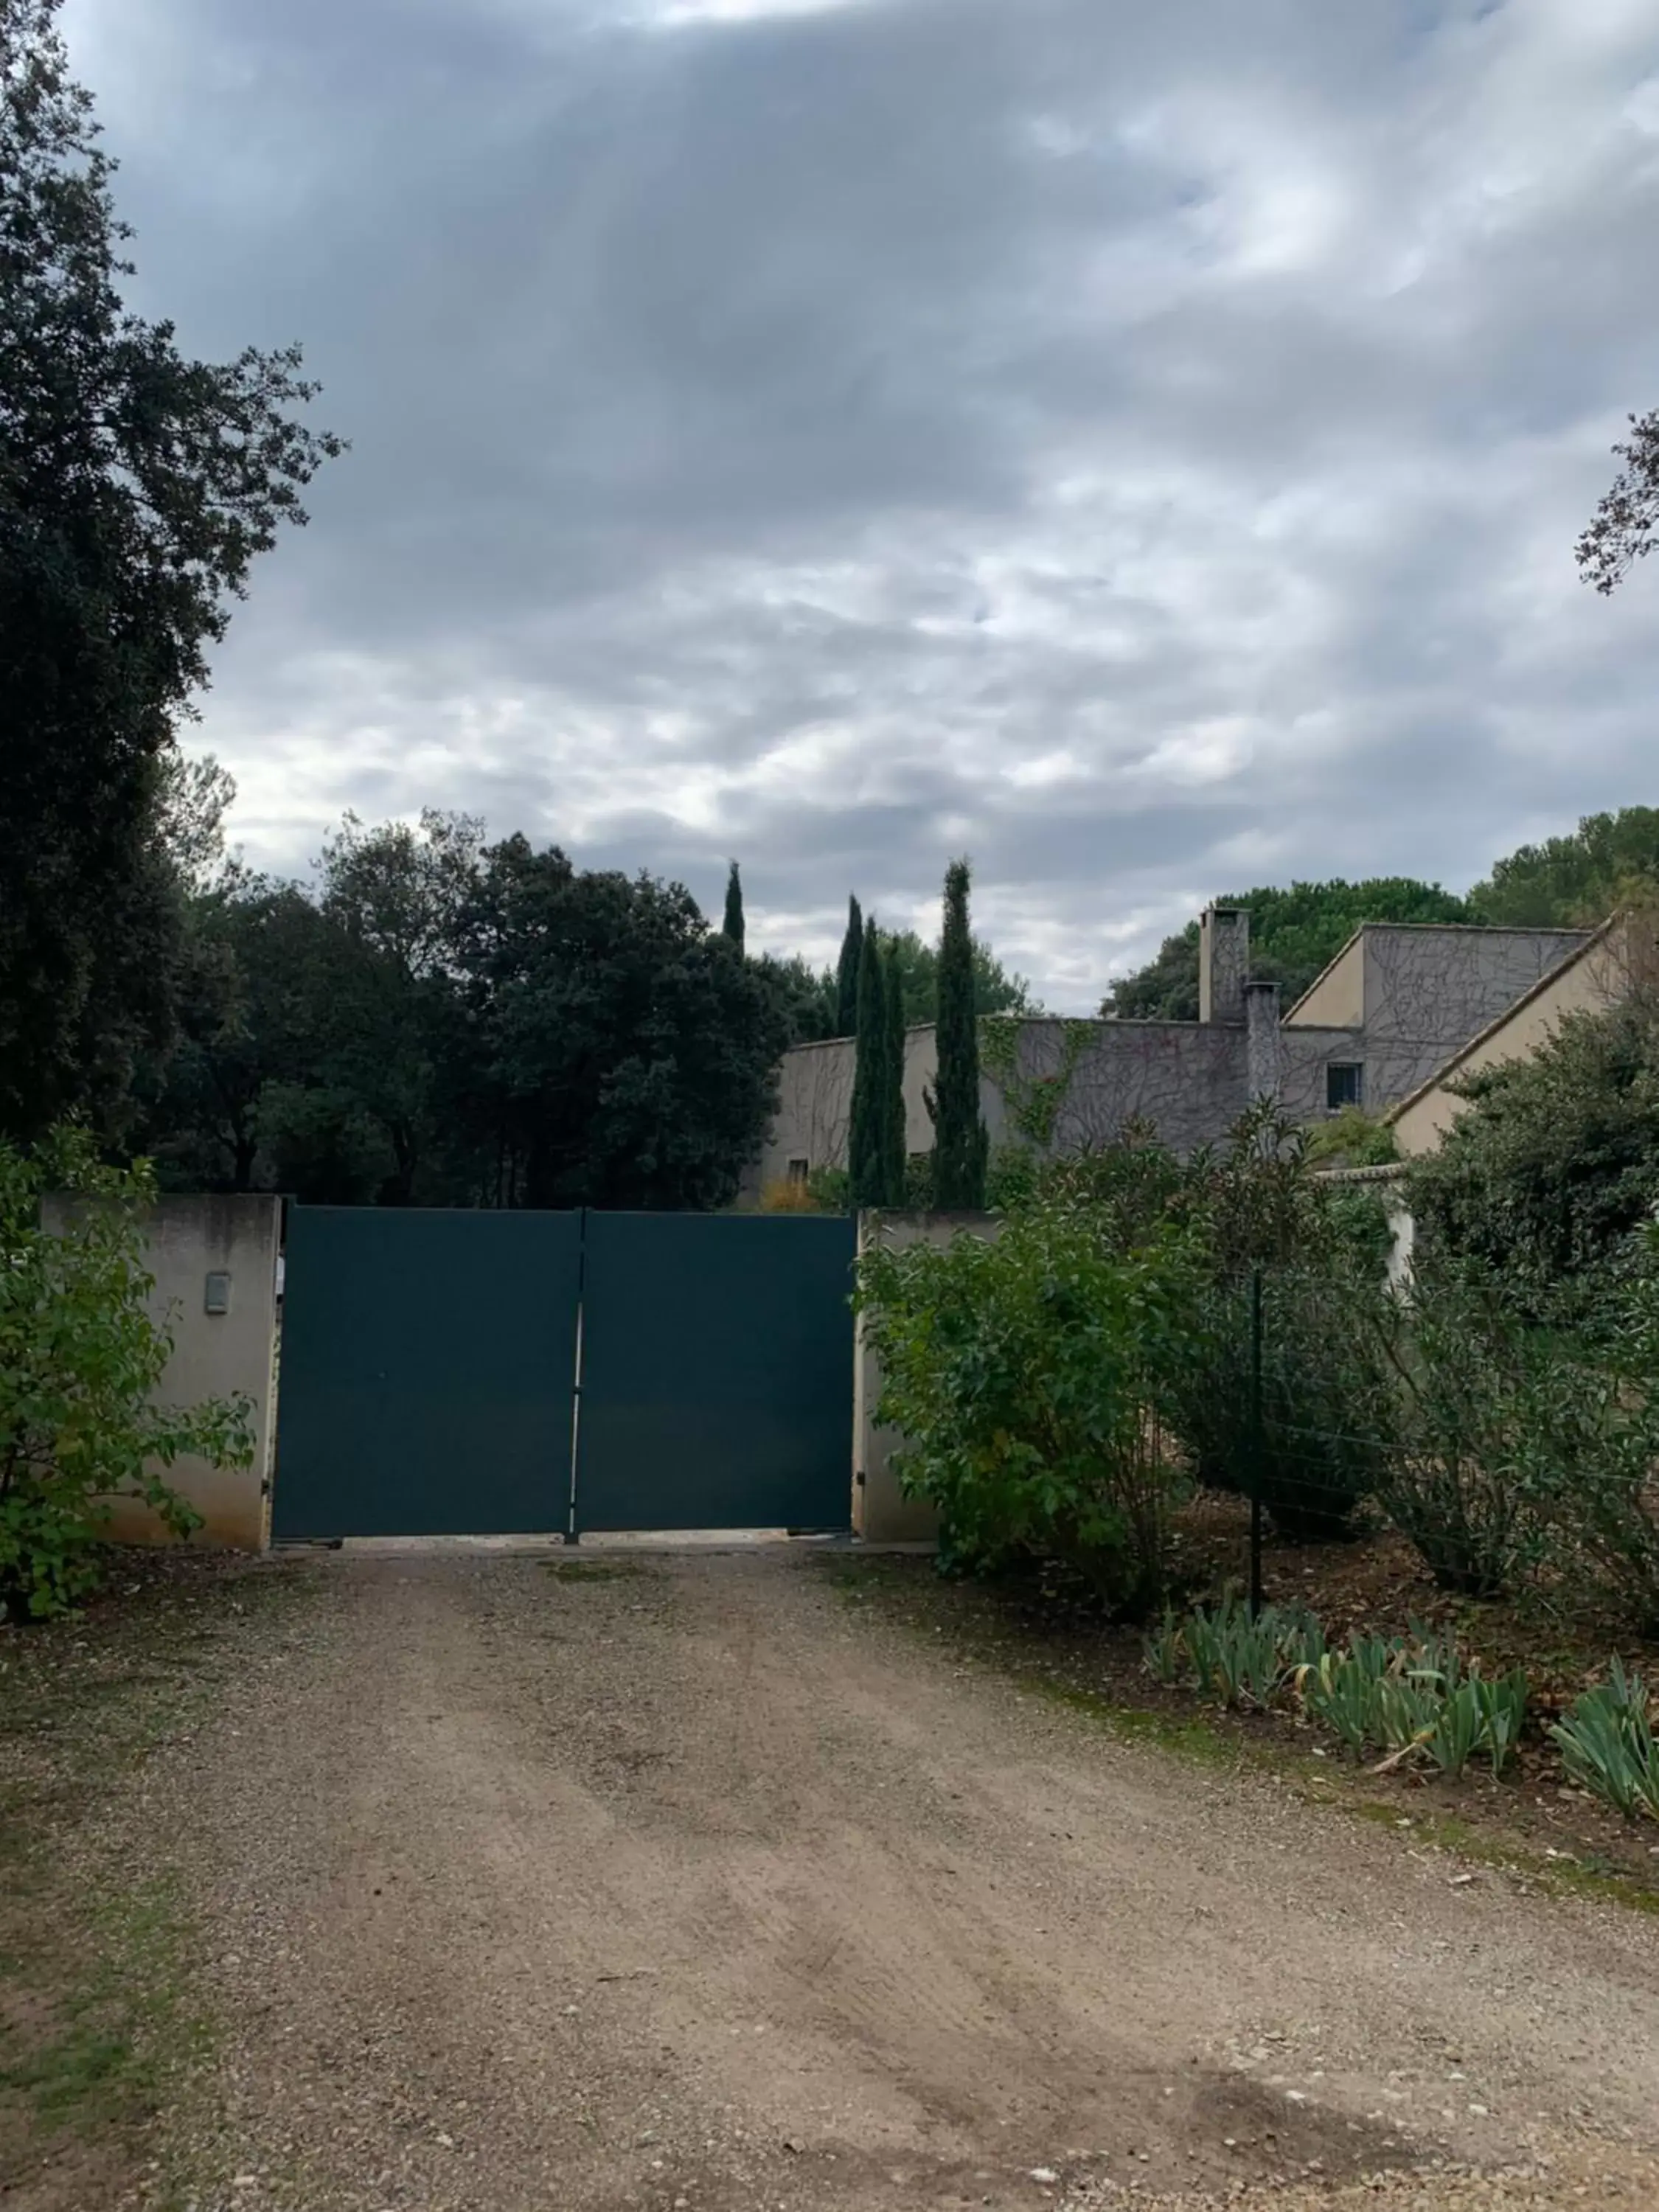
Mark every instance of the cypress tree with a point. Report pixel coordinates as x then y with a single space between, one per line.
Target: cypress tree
868 1135
846 973
959 1140
895 1151
732 924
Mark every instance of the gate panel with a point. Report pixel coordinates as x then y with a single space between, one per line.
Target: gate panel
428 1372
717 1372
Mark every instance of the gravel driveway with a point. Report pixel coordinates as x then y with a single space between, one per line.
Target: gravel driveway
676 1886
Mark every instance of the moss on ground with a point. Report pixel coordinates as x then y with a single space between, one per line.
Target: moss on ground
594 1570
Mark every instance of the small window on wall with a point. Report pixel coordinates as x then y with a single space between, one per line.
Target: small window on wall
798 1174
1345 1083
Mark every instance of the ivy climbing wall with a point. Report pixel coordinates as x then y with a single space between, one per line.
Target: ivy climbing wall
1068 1086
1057 1085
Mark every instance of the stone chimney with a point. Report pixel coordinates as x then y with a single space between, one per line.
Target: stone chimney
1264 1066
1224 963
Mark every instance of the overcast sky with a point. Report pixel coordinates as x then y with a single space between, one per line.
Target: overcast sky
1137 442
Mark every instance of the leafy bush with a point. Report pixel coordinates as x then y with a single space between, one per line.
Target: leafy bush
1554 1162
1327 1398
1600 1431
1327 1402
1529 1451
79 1359
831 1190
1590 1450
1352 1139
1025 1374
1607 1746
1132 1185
1252 1199
1135 1185
1469 1482
1356 1224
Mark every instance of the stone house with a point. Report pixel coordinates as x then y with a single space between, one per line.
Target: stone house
1398 1003
1604 969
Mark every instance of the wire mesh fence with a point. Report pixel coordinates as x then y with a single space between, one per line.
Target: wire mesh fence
1304 1480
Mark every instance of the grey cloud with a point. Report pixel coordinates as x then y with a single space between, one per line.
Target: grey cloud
1136 443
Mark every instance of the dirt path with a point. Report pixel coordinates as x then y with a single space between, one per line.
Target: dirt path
682 1887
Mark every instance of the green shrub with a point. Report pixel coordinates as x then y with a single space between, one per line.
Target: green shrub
1529 1453
1025 1374
831 1190
79 1357
1252 1199
1327 1395
1587 1465
1352 1139
1470 1481
1132 1185
1554 1162
1599 1436
1607 1746
1011 1177
1328 1423
1356 1218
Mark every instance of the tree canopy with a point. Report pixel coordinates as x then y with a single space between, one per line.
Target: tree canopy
869 1127
1625 527
895 1147
732 926
440 1020
997 990
847 970
960 1145
136 486
1609 860
1568 882
1294 934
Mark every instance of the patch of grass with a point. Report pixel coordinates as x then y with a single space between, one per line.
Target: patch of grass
1561 1875
123 2028
852 1573
73 2074
594 1570
1192 1737
99 2028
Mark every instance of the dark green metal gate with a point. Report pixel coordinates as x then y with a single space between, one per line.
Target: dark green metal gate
429 1373
429 1362
717 1372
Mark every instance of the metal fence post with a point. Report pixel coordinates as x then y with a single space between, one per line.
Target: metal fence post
1255 1441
